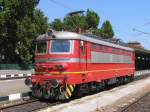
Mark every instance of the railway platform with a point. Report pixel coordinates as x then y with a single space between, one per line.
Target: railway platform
14 74
12 89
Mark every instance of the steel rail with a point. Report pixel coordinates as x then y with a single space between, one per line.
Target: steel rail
28 106
135 102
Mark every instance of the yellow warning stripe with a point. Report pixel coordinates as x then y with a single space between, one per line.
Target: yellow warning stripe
74 85
66 96
71 87
69 91
84 72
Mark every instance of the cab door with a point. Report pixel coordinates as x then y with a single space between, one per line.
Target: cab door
83 55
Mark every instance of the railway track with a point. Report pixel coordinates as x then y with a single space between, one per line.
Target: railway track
29 106
34 105
16 104
134 106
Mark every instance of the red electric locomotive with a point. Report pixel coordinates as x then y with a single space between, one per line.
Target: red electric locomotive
68 64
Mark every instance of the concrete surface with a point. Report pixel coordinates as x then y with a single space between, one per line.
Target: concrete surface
8 72
8 87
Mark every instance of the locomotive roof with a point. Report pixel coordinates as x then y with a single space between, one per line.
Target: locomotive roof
71 35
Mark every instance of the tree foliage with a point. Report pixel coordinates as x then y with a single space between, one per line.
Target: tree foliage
73 23
92 19
20 23
86 23
57 24
77 21
106 30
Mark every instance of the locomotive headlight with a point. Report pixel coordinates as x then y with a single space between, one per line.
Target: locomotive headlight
28 81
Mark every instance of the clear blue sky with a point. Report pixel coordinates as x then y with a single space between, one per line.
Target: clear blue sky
124 15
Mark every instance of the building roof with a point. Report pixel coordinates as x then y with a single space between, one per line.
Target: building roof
134 42
142 51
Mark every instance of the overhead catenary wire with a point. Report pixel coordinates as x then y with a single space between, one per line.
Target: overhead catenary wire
68 8
142 32
62 5
147 23
134 29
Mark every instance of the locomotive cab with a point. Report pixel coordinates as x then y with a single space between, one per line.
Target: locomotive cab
52 55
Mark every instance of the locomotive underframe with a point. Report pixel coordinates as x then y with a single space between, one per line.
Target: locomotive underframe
63 92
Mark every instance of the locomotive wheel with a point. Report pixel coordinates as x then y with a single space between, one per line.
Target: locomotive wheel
124 80
45 94
99 86
37 92
128 79
103 84
121 80
131 77
78 92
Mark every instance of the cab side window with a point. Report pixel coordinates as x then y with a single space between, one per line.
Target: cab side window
82 47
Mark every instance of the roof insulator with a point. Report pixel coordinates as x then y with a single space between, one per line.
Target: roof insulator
50 32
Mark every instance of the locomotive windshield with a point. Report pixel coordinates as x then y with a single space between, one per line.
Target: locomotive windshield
41 47
62 46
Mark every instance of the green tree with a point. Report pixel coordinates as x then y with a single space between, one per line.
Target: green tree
97 32
28 30
20 24
84 23
92 19
106 30
75 22
57 25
